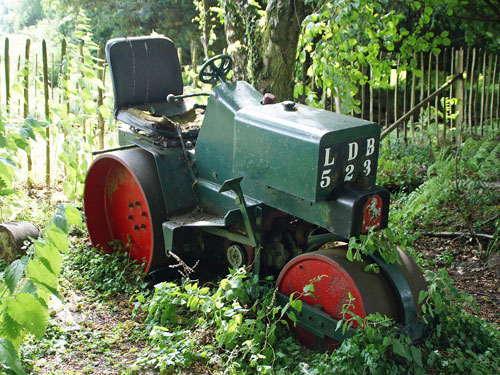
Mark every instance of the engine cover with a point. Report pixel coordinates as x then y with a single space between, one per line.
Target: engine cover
304 151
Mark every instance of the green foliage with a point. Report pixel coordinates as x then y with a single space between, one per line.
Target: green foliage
26 286
14 138
401 166
234 325
342 40
457 343
456 195
92 270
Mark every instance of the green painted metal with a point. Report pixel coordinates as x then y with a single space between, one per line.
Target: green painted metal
316 321
398 280
214 147
283 157
306 152
234 185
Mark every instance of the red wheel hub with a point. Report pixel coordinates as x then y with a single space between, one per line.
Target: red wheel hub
124 206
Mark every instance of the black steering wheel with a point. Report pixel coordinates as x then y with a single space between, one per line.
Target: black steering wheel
216 69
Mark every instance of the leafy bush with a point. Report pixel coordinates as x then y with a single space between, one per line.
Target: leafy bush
456 196
26 286
403 166
91 270
458 343
236 328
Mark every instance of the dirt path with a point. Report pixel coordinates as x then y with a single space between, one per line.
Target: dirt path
90 337
471 270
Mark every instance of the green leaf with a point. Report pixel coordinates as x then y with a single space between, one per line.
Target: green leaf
40 275
417 355
73 216
13 273
27 310
49 255
296 304
9 358
422 296
401 349
56 237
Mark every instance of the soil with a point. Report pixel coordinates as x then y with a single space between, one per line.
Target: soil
473 271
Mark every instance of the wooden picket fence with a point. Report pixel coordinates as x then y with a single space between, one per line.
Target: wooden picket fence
456 92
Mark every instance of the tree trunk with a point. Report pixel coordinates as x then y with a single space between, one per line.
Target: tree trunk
283 21
265 57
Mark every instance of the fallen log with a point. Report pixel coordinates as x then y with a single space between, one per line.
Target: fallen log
13 237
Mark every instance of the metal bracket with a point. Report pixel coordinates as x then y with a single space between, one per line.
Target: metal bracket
234 185
316 321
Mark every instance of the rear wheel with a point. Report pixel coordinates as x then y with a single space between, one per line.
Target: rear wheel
335 278
124 206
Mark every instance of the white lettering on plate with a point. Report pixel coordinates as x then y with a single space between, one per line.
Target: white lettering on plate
353 150
370 146
328 162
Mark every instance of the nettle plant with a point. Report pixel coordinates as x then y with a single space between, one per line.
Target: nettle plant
27 285
235 324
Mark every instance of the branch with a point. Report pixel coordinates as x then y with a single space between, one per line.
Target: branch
459 234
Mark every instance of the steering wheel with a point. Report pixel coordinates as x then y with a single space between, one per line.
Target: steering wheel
216 68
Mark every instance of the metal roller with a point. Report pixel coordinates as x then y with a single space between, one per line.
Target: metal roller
334 278
124 206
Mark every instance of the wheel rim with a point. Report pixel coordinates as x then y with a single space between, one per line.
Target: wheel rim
124 206
372 292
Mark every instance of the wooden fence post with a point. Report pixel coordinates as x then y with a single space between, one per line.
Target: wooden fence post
47 112
481 105
371 94
7 75
471 86
179 55
493 83
423 128
194 63
436 101
363 93
18 71
459 93
26 104
100 96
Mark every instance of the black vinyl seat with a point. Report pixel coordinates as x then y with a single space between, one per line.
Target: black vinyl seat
144 70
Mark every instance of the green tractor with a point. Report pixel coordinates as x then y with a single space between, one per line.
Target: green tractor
267 185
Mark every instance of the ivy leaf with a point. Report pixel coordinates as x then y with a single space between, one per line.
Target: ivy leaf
8 357
13 273
27 310
296 304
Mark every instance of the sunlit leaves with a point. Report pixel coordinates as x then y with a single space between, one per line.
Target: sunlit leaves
355 39
8 357
27 285
27 311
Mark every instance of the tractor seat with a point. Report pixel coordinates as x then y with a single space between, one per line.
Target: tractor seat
144 70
